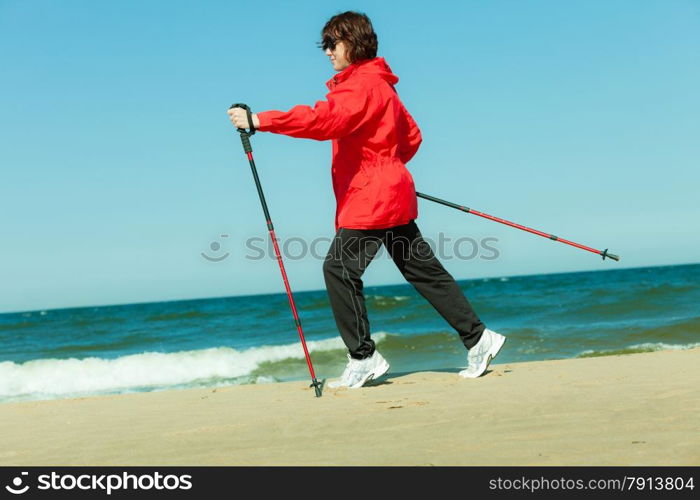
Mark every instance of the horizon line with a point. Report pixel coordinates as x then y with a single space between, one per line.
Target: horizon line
123 304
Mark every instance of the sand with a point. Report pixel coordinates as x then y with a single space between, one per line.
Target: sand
638 409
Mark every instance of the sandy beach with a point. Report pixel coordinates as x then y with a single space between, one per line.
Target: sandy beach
638 409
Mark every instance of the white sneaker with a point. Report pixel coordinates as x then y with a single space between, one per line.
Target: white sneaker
360 371
482 353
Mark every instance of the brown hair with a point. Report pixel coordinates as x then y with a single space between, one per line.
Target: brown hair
355 29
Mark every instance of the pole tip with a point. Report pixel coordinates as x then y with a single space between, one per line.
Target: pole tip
318 387
612 256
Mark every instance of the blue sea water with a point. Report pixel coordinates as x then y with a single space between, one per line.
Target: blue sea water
211 342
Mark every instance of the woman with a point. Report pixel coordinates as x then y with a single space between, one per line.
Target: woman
373 138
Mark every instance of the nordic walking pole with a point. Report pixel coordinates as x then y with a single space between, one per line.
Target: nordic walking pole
245 139
604 253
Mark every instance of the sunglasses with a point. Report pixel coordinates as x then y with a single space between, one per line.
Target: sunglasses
328 42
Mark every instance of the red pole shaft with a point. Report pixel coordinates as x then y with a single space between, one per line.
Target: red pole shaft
314 383
603 253
292 305
530 230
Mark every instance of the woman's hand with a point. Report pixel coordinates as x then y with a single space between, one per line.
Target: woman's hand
239 118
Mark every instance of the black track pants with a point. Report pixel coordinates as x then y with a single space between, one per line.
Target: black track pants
351 252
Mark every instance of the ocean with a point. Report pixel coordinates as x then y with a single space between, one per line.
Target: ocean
77 352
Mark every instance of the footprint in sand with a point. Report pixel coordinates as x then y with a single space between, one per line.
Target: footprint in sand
414 403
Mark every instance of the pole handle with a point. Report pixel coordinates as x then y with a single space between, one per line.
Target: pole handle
245 134
251 130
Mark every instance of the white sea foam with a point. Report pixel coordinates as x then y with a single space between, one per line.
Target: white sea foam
388 297
55 378
651 346
662 346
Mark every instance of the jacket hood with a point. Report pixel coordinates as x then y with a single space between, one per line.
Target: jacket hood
377 66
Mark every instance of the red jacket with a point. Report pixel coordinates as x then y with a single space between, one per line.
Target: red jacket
373 138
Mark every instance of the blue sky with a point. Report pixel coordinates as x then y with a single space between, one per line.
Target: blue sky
119 167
